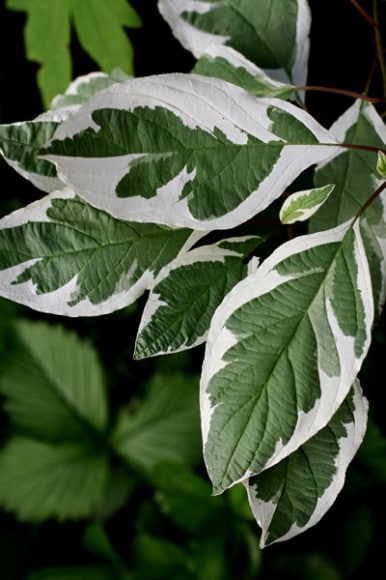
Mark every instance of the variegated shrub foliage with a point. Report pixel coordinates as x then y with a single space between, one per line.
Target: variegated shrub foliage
143 178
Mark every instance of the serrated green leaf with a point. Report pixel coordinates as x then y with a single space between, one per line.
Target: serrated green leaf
165 427
53 384
85 86
180 307
301 205
274 36
47 40
40 481
294 495
287 341
381 164
189 155
354 171
99 27
225 63
61 255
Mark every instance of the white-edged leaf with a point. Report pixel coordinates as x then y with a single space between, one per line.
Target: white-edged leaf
185 150
301 205
381 164
21 142
295 494
62 256
53 384
40 481
165 427
273 35
283 350
85 86
354 171
186 293
224 62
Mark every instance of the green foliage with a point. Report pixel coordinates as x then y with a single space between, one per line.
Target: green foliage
142 177
99 27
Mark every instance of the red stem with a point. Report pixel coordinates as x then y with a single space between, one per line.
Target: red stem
363 12
344 92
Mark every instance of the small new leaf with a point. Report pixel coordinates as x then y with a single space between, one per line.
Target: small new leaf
301 205
381 164
294 495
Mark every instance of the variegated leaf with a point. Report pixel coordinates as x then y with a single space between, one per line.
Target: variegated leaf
274 34
354 171
295 494
381 164
283 350
185 150
61 255
186 293
226 63
301 205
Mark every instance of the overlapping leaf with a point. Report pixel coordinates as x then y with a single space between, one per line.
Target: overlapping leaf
294 495
180 307
226 63
166 427
52 384
283 350
355 173
63 256
185 150
273 35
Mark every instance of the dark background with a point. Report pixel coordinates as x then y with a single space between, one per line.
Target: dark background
342 54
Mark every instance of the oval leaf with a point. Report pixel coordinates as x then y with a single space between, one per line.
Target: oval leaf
282 352
301 205
61 255
294 495
185 150
178 312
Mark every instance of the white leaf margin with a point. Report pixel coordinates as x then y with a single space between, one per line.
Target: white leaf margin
197 41
348 446
290 215
204 254
265 279
200 102
56 302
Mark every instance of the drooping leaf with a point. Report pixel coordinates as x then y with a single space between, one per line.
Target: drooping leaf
85 86
61 255
294 495
283 350
301 205
354 171
182 302
100 29
53 384
226 63
39 480
185 150
165 427
273 35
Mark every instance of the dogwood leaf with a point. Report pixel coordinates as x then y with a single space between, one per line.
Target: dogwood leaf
301 205
185 150
61 255
273 35
283 350
230 65
354 171
186 293
294 495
